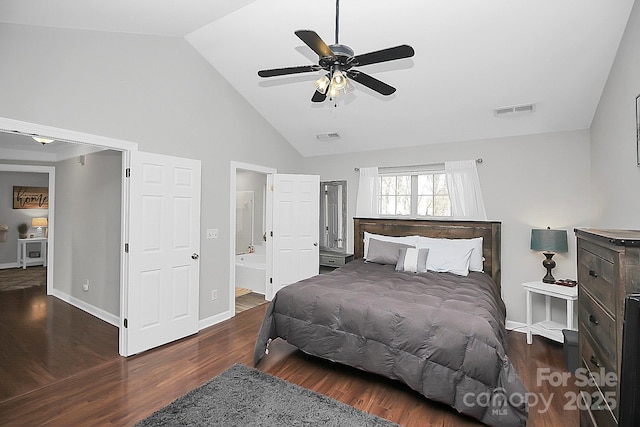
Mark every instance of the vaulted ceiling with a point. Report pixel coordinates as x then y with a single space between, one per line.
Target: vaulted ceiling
471 57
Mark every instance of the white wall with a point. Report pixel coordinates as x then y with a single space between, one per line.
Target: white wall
615 177
87 229
527 182
13 217
156 91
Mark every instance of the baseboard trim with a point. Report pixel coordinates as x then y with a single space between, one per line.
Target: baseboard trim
516 326
85 306
210 321
9 265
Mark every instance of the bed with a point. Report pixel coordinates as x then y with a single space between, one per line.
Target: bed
441 333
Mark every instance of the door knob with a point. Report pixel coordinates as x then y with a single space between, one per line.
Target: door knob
195 256
315 243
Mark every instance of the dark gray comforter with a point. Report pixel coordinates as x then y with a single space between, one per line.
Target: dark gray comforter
442 335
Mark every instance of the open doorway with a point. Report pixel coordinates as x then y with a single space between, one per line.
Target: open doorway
248 270
47 328
62 242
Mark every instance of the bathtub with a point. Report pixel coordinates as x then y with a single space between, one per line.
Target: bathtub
251 271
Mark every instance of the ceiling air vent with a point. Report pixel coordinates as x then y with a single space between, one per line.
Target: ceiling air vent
327 136
506 111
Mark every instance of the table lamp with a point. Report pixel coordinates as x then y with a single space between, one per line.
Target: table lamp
38 223
549 242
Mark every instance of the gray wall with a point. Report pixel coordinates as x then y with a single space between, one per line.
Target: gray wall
156 91
13 217
527 182
87 229
615 177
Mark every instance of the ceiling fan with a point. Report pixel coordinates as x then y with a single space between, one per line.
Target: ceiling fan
339 60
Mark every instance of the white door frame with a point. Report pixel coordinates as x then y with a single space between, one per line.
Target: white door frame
235 167
65 135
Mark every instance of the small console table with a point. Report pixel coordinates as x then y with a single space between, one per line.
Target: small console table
23 260
548 328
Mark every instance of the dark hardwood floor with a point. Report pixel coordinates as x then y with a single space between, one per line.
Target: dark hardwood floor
44 340
60 367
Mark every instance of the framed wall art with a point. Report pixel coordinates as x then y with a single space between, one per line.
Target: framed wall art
30 197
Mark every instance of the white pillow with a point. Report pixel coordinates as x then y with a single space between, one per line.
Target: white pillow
476 261
413 260
449 259
407 240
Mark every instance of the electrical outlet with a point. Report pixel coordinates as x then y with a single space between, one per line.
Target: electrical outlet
212 233
85 285
214 294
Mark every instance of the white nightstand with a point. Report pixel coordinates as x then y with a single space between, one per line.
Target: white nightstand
548 328
23 259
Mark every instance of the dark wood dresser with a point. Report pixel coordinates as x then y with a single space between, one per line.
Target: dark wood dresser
608 270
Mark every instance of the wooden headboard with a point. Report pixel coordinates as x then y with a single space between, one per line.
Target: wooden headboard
488 230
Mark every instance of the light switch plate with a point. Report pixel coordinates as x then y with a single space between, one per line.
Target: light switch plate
212 233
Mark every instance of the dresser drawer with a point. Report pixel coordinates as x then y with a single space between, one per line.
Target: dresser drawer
599 324
593 410
596 274
597 361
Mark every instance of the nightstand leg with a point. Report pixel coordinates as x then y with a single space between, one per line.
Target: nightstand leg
547 307
570 314
529 318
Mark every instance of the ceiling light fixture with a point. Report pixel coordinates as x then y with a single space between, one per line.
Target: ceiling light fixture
42 140
339 60
322 84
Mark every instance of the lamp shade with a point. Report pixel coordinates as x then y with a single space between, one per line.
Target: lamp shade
39 222
548 240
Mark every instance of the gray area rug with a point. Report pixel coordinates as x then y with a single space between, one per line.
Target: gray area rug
243 396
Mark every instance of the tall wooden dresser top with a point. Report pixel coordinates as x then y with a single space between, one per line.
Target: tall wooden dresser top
608 270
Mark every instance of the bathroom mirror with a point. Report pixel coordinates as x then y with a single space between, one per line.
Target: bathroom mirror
244 220
333 215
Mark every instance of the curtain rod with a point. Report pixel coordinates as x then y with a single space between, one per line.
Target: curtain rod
478 160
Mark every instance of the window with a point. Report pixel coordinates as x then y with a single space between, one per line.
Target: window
414 194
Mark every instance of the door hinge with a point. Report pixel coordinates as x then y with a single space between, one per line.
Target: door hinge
271 187
270 279
127 172
126 324
126 248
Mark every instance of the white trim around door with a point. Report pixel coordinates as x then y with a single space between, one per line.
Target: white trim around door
65 135
235 167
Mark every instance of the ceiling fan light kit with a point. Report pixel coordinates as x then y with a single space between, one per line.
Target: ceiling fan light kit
338 60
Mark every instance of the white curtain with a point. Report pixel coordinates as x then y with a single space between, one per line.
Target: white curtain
464 190
367 202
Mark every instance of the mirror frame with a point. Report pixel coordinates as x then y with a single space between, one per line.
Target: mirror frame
343 184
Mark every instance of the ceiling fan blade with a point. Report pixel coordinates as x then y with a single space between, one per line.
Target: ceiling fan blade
390 54
318 97
313 40
371 82
288 70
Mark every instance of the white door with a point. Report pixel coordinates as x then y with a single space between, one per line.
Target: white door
294 248
162 290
